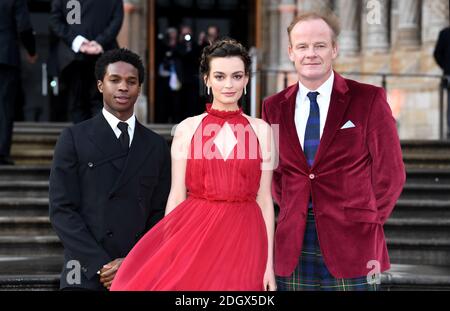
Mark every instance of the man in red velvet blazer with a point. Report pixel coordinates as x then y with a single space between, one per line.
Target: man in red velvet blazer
335 191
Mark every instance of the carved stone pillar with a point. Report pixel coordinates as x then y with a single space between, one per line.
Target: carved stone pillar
287 10
274 33
349 17
435 17
315 5
409 23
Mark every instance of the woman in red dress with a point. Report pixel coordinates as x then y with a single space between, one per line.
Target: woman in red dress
218 230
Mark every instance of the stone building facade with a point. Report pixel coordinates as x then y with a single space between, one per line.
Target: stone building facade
392 37
395 37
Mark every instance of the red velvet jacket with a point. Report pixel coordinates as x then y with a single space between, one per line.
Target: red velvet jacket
356 179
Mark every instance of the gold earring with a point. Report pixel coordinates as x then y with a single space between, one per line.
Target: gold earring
245 90
208 90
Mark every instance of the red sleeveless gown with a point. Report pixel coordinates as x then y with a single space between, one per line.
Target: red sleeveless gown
216 239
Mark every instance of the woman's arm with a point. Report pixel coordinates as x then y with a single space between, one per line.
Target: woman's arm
265 202
179 154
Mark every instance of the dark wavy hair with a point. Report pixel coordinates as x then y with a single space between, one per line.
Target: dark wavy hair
226 47
119 55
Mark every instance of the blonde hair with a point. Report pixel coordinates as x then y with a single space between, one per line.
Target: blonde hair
329 18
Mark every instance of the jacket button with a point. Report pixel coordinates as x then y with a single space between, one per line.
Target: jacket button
312 176
91 165
84 269
110 234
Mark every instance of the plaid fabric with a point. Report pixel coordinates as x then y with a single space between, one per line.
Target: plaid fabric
311 274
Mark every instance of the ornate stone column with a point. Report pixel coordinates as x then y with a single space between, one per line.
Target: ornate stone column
409 23
349 17
376 25
315 5
274 33
287 10
435 17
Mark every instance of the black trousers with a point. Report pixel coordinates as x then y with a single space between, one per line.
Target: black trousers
448 110
9 81
84 99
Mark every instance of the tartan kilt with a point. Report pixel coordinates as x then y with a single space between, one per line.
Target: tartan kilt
311 274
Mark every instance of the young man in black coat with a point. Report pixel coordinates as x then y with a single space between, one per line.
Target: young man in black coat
109 180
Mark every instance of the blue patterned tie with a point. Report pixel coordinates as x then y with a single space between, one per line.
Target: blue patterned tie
312 133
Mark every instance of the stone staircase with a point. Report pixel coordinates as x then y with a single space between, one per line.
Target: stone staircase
418 232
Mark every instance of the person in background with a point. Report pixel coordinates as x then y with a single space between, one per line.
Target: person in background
169 73
80 45
442 57
15 27
189 53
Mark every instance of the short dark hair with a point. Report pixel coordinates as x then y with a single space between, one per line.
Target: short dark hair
119 55
224 48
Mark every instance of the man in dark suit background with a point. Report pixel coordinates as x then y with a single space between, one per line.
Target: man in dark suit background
442 57
81 42
109 180
14 25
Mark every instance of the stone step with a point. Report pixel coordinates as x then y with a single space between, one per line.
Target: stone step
419 250
44 282
49 130
418 191
425 146
30 265
44 140
428 176
416 277
23 207
24 189
419 214
428 204
24 173
430 229
32 156
24 245
424 160
29 226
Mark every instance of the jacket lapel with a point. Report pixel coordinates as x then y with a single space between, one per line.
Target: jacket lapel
104 138
338 106
139 152
290 130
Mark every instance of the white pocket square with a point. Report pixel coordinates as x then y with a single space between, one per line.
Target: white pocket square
349 124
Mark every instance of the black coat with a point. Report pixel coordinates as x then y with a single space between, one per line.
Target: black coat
14 25
101 21
442 50
102 201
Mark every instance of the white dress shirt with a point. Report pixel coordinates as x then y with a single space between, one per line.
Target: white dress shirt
302 106
114 121
77 42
